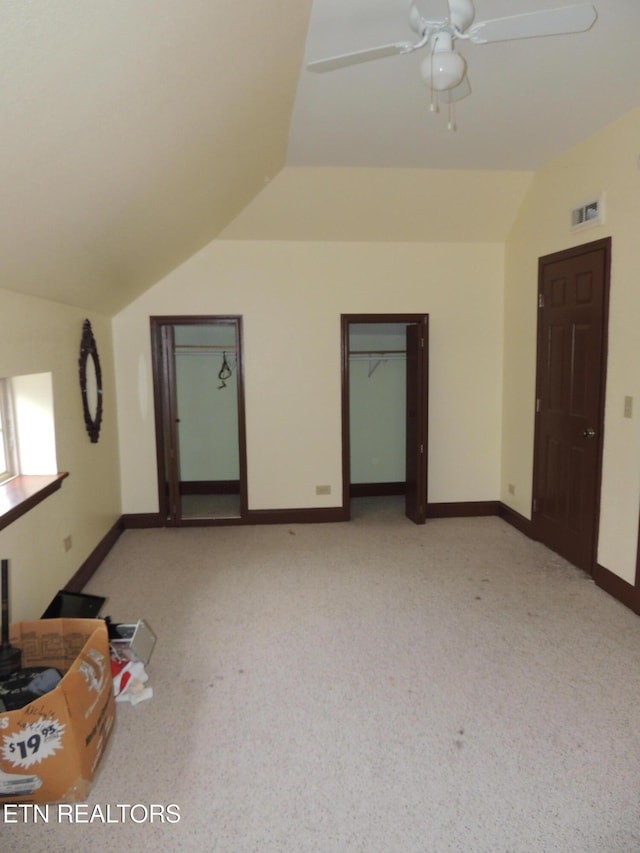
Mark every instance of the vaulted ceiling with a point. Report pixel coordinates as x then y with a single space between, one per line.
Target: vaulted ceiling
133 133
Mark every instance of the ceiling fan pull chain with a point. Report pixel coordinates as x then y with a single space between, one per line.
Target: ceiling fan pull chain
435 99
452 117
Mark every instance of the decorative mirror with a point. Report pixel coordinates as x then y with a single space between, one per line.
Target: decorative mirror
90 382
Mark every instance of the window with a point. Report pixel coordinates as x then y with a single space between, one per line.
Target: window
28 466
7 455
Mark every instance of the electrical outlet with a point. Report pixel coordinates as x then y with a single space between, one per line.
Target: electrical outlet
67 542
512 489
323 490
628 407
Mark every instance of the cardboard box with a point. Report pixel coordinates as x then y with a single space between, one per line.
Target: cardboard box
50 749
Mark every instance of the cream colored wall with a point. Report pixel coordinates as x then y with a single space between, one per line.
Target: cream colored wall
607 161
291 295
37 336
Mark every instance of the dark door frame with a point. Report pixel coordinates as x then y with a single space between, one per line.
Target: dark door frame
603 245
422 396
163 388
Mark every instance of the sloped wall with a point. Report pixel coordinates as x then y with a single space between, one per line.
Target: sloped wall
37 336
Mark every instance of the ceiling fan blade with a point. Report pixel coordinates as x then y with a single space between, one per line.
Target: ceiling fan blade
546 22
358 56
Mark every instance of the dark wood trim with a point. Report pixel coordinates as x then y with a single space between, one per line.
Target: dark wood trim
310 515
462 509
625 592
368 490
345 321
610 583
22 493
141 520
161 381
242 421
222 521
515 519
605 246
304 515
580 249
210 487
95 558
346 427
637 582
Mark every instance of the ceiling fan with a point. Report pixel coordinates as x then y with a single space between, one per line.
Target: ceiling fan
444 70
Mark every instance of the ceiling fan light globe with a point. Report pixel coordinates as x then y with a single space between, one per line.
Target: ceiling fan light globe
443 70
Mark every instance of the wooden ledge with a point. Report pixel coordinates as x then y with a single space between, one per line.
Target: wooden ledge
20 494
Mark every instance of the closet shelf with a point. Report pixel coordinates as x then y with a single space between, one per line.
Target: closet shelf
376 357
204 349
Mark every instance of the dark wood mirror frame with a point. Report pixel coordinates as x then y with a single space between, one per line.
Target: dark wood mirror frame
89 349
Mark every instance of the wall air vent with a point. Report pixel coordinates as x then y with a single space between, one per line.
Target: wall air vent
587 214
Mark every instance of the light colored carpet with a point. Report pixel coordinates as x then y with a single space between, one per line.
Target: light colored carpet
372 686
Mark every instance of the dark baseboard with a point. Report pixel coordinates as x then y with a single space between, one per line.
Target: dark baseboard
524 525
309 515
225 521
462 509
137 520
93 561
374 490
615 586
626 593
210 487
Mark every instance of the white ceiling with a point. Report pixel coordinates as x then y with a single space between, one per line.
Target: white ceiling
134 131
531 99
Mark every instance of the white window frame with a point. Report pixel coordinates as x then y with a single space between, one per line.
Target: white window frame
7 433
28 442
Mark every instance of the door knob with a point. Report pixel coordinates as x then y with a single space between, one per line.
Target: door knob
589 432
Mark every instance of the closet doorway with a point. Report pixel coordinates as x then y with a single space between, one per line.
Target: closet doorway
384 408
199 411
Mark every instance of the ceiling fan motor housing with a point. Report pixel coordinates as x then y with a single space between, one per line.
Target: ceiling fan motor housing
443 68
461 14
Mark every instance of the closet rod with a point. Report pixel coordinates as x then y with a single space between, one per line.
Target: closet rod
376 357
201 347
376 353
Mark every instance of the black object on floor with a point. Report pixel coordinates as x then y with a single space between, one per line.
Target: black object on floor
73 605
10 656
25 685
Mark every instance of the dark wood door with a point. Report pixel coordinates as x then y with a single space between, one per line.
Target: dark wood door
416 422
573 302
170 427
